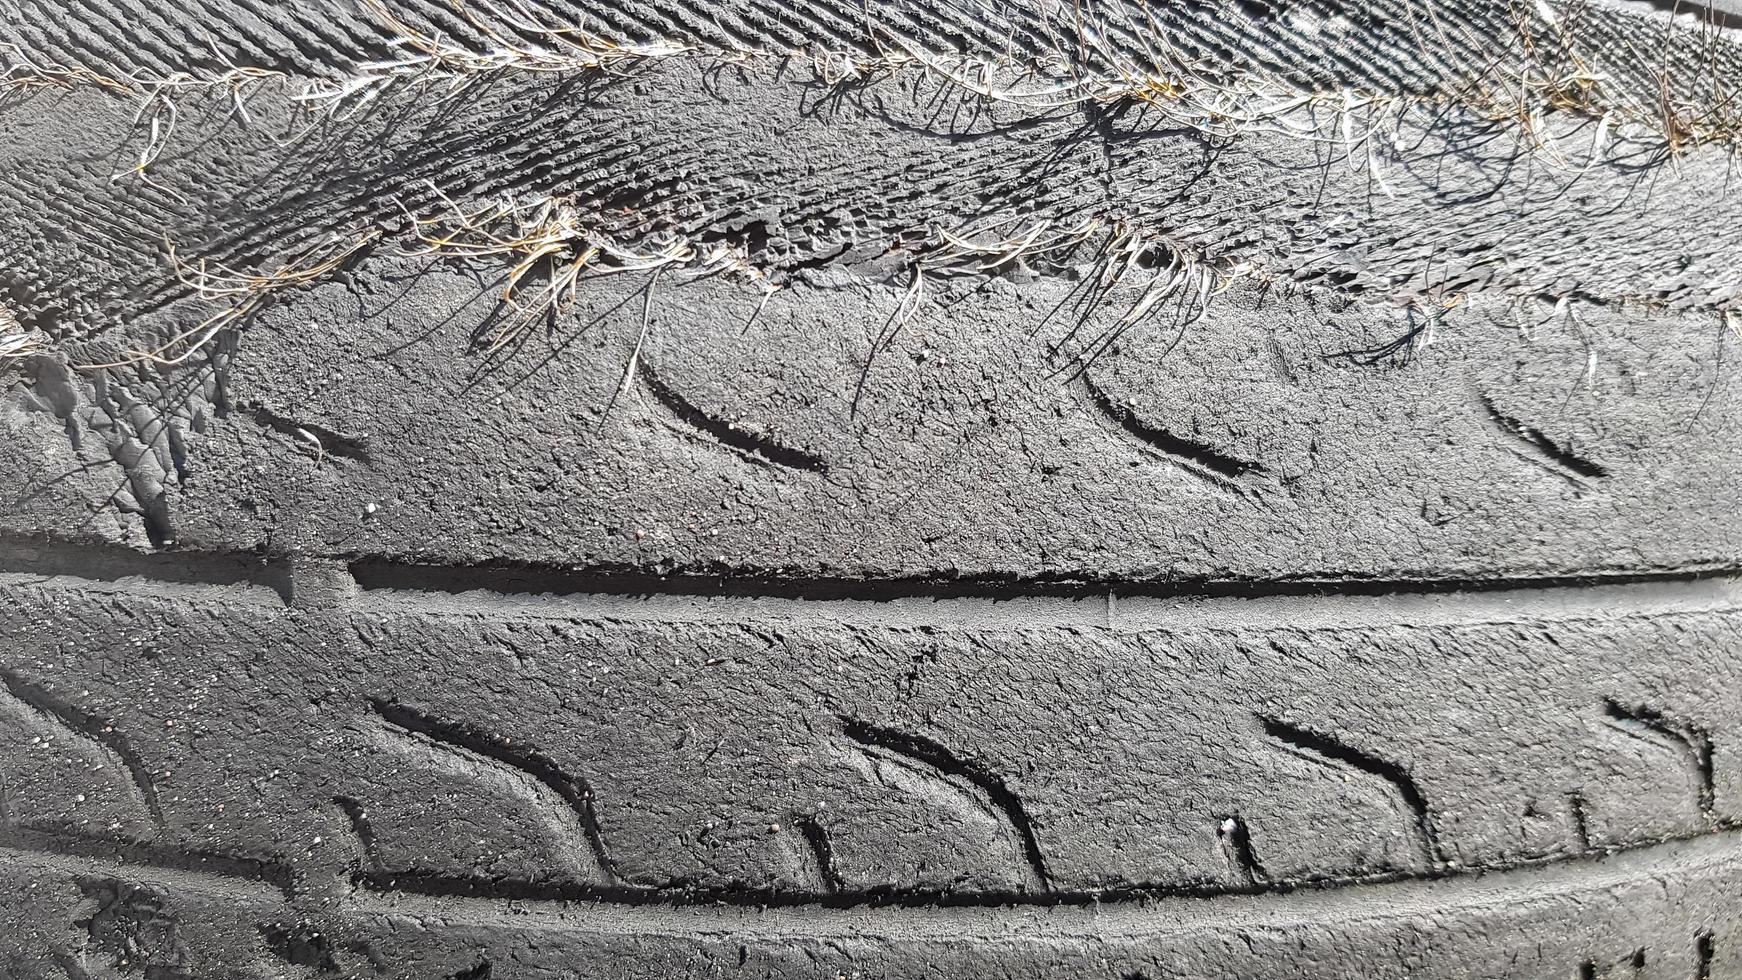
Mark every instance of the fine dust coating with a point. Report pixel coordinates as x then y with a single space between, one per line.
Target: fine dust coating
907 488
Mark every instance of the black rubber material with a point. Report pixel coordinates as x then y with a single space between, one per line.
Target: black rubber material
216 769
1375 613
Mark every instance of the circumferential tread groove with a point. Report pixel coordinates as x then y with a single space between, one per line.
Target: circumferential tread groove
154 858
1580 821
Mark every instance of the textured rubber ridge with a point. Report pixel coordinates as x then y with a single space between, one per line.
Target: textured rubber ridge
407 775
1505 370
1577 451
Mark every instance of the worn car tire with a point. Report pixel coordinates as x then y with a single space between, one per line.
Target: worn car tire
958 532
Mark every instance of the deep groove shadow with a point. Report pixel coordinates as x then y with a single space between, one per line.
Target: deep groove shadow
288 881
527 578
1580 820
1205 463
327 441
102 561
126 854
54 556
361 828
726 433
934 756
816 837
1324 746
571 789
1541 445
76 719
1641 721
1237 845
299 944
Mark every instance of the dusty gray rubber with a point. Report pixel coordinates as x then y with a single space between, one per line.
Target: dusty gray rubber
387 776
1378 619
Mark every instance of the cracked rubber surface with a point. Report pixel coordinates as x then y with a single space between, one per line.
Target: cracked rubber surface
208 760
1380 618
